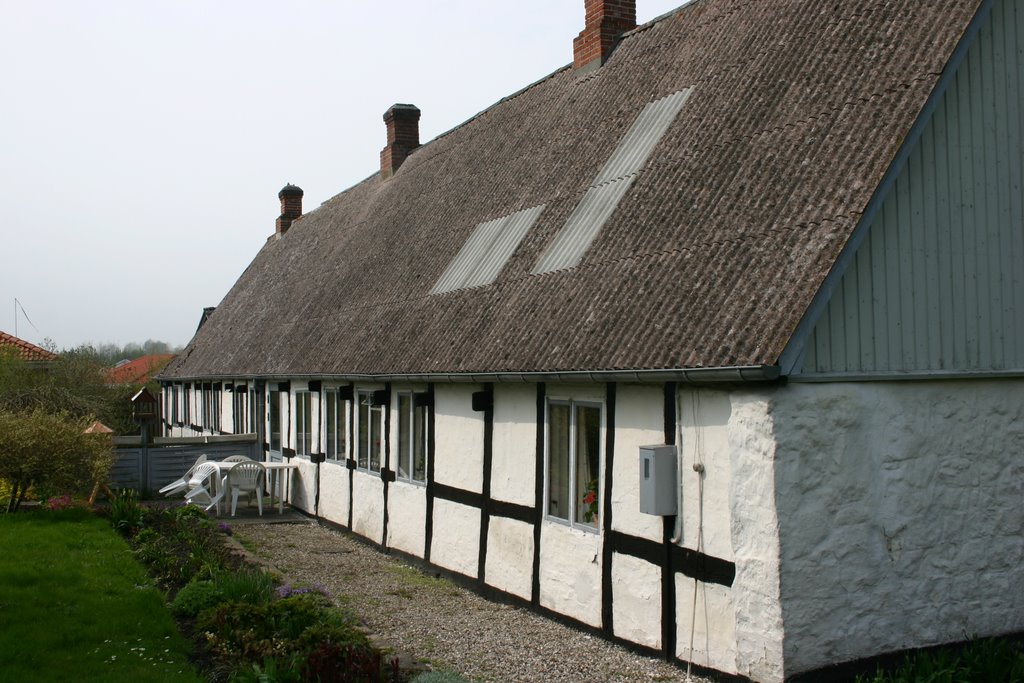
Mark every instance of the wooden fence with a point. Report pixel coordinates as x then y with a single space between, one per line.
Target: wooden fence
147 467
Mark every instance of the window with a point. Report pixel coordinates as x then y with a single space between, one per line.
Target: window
240 411
275 420
412 439
303 423
573 462
335 426
175 397
370 445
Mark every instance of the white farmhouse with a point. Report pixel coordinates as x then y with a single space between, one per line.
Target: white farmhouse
783 237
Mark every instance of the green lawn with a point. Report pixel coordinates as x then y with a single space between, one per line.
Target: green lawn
76 606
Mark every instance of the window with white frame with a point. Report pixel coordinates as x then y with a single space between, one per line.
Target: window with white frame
370 444
240 411
303 423
572 482
412 438
274 416
335 426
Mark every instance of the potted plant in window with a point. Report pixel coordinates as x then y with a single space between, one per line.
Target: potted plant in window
590 501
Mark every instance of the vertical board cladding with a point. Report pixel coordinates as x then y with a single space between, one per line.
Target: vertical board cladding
458 438
510 556
639 422
456 541
938 283
706 625
636 600
407 505
512 467
907 495
334 500
704 423
368 505
570 572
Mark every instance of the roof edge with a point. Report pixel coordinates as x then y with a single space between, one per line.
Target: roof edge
729 374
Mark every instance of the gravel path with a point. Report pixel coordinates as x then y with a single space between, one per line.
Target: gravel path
434 620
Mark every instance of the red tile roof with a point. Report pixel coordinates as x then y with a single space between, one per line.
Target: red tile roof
140 370
25 350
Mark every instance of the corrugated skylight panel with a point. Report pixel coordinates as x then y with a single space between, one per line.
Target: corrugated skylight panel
487 251
611 184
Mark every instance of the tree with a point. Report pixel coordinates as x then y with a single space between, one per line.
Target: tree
74 384
51 451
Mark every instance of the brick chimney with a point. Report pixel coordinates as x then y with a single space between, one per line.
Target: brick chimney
403 123
291 207
606 21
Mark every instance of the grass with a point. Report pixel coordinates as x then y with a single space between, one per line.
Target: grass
76 605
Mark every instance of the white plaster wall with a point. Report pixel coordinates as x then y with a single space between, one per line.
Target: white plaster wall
301 486
639 421
510 556
368 505
334 492
570 572
407 510
513 462
755 541
703 422
458 438
711 621
226 412
456 541
636 600
900 508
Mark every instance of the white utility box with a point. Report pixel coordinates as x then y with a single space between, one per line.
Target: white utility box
658 480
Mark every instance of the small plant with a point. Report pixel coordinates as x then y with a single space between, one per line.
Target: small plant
126 513
60 503
992 659
252 586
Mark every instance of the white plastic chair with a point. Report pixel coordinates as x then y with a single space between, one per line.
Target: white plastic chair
203 493
246 477
181 484
236 458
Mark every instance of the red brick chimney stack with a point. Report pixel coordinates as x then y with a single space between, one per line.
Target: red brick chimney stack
291 207
606 21
403 123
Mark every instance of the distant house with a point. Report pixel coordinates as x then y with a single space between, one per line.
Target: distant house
24 350
139 371
781 240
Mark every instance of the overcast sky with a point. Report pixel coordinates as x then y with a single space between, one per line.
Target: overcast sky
143 142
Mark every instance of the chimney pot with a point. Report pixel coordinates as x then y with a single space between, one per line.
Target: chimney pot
403 126
291 207
606 20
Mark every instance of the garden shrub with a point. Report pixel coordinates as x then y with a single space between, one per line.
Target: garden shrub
300 631
196 597
126 513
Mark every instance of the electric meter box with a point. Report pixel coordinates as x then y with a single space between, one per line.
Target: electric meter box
658 480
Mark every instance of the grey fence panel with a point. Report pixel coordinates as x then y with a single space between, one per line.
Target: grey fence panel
152 467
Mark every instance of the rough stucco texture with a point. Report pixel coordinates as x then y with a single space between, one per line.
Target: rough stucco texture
900 512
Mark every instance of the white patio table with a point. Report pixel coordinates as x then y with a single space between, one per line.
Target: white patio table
279 474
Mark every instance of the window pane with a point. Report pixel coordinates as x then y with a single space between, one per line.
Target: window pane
364 431
419 444
558 461
588 450
404 449
375 442
331 424
342 421
275 420
304 422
